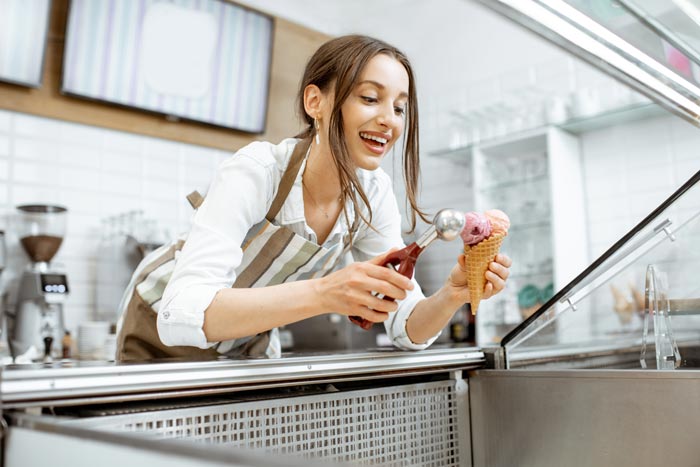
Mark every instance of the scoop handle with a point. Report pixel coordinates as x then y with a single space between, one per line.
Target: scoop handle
404 262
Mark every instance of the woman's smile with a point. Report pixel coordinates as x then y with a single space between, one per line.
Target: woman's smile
374 141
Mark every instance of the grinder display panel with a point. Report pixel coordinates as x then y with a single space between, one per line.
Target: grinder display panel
54 283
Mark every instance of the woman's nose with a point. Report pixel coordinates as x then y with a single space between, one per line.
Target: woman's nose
387 116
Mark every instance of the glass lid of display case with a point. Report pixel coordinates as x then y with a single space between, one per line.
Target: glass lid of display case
666 30
652 45
643 294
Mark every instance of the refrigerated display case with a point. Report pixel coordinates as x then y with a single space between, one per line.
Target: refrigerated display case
377 407
616 381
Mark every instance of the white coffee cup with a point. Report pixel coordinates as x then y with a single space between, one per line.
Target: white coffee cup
92 336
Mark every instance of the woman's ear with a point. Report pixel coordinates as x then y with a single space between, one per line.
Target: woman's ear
313 100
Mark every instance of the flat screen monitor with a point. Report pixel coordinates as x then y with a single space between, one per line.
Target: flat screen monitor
201 60
23 30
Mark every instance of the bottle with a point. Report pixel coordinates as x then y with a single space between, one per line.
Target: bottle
471 325
67 345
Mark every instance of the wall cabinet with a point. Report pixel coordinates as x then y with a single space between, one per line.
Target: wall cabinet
536 178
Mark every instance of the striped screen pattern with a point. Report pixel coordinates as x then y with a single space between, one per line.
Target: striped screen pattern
23 25
104 56
405 425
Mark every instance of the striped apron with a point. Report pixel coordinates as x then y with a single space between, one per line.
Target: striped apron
272 254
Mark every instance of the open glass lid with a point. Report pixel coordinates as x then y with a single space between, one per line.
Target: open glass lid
652 45
641 297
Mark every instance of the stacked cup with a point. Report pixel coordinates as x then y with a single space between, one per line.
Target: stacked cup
92 336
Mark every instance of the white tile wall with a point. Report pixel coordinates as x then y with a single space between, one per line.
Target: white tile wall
630 169
95 173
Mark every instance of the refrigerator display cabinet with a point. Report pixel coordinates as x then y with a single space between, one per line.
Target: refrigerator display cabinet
606 372
615 381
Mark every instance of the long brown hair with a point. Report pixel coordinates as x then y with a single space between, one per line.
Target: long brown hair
339 63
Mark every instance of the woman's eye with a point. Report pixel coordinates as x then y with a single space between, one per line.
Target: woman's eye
370 100
399 110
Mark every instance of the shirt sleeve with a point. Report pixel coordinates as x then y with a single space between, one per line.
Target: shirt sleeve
386 219
237 199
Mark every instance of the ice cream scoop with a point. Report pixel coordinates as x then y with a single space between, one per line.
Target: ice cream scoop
447 225
476 228
500 223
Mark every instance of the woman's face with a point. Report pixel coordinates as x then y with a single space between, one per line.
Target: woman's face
373 113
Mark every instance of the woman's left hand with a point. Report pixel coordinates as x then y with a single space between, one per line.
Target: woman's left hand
496 276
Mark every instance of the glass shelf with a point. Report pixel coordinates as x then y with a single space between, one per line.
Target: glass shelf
516 183
575 125
530 225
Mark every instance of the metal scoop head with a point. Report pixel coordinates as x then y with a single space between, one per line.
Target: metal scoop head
447 225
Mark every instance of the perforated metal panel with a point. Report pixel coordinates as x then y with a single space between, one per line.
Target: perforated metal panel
417 424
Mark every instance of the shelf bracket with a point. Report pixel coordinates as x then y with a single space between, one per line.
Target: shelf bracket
669 234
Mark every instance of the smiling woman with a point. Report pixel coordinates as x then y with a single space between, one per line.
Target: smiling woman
268 244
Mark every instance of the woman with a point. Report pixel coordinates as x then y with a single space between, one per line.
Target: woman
267 244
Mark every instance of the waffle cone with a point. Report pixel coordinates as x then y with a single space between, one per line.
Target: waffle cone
478 258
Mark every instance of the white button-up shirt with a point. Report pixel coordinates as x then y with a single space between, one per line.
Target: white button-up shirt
238 198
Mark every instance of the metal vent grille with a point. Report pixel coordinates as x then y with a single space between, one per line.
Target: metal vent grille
406 425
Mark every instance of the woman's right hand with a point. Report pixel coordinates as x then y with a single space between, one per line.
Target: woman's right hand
350 290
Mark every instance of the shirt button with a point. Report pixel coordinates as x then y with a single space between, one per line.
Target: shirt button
166 314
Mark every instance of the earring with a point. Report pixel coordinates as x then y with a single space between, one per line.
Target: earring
318 139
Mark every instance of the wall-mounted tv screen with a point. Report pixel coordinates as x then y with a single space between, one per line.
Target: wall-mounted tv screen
23 29
201 60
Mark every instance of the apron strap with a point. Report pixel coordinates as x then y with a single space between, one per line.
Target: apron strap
195 199
288 178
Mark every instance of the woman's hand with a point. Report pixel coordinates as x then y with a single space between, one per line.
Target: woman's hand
496 276
350 290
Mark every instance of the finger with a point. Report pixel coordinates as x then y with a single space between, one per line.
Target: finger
389 275
386 288
374 302
381 259
495 281
500 270
462 261
504 260
374 315
488 290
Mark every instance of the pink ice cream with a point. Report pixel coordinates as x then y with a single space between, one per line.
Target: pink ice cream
476 228
499 221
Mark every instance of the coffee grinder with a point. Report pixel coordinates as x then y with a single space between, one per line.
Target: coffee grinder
38 315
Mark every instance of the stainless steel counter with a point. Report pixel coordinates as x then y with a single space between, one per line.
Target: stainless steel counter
80 383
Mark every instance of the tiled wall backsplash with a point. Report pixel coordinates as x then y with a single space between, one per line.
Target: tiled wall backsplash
630 169
97 173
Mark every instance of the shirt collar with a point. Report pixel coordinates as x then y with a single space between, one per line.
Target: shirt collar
292 210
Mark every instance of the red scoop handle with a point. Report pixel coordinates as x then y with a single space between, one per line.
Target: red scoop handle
403 261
